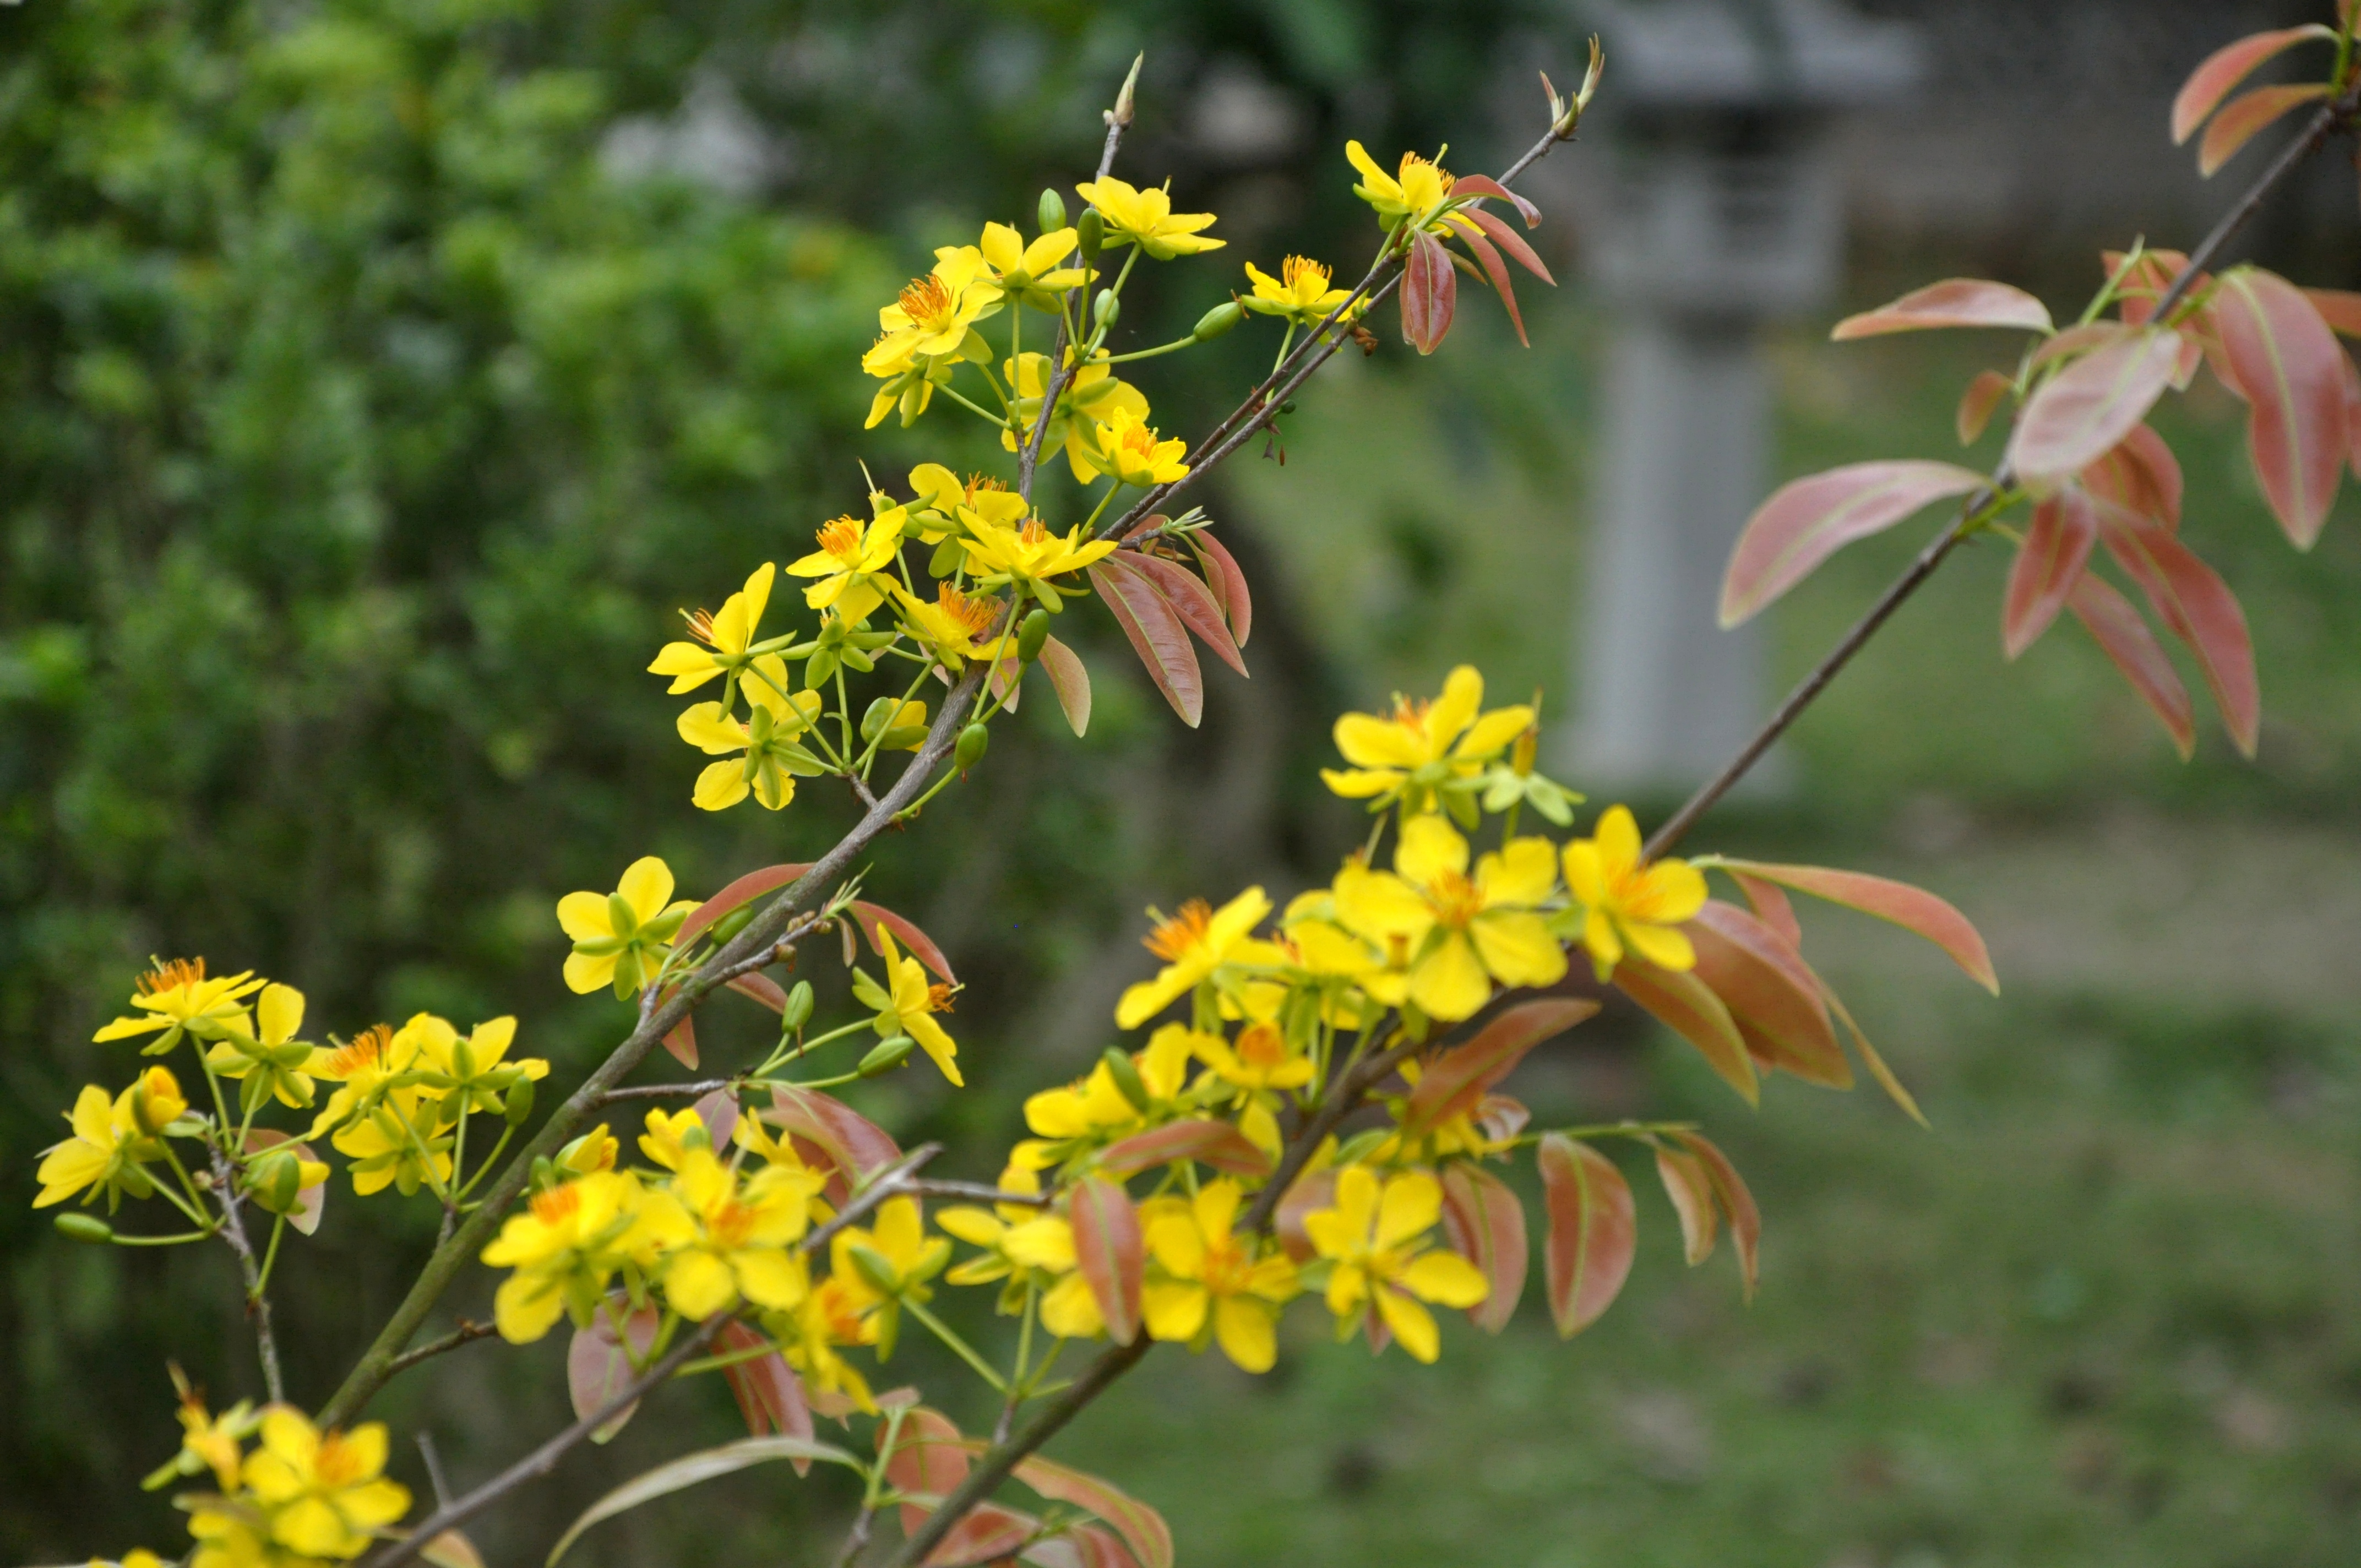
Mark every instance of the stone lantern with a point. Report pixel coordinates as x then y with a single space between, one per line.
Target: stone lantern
1719 210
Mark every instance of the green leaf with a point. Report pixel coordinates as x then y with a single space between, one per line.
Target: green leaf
666 1479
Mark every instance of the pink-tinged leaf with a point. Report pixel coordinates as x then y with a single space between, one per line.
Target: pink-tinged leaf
987 1533
2248 117
312 1201
1071 681
770 1396
1216 1144
1312 1191
1688 1006
2289 365
1156 634
1455 1081
930 1458
2193 601
1737 1203
1095 1547
1500 1117
1229 581
1485 1225
754 884
2142 280
835 1133
2340 308
1769 902
1770 993
1977 403
1808 521
1496 272
913 941
1593 1232
2141 476
1912 908
451 1550
2352 416
1430 293
2226 67
2078 340
2079 414
1691 1190
596 1369
1485 185
689 1470
1141 1527
763 989
1109 1252
680 1039
1954 303
2125 638
1195 602
1870 1059
2049 563
719 1112
1512 242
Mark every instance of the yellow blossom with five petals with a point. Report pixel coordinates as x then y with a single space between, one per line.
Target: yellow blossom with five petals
621 938
1146 219
773 759
1031 557
1455 934
852 559
326 1492
1029 274
1193 943
1629 903
1424 748
1126 447
722 641
176 997
906 1004
1301 292
1374 1239
1209 1278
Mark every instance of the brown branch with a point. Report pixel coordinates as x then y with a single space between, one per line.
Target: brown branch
257 1300
467 1332
980 1193
698 1089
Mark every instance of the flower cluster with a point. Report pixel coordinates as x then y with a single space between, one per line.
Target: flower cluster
299 1497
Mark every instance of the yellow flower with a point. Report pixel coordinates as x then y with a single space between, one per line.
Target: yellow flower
930 328
360 1069
852 560
622 937
944 500
1029 274
104 1155
1453 934
1373 1238
829 1315
773 760
1089 397
326 1492
1096 1108
1424 749
569 1242
1257 1068
1211 1276
593 1151
469 1072
956 626
271 1059
1628 902
175 996
670 1136
401 1141
1032 1251
1300 292
743 1246
1422 186
1192 944
207 1442
1146 219
1032 557
906 1004
880 1268
722 640
1126 447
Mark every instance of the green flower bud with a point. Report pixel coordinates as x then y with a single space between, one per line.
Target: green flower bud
1126 1073
1089 234
798 1009
726 930
876 1270
970 750
84 1228
1217 321
275 1181
1052 211
518 1106
1106 307
889 1055
544 1175
1032 634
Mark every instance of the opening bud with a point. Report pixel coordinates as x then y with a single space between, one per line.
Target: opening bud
275 1181
1106 307
157 1100
889 1055
1217 321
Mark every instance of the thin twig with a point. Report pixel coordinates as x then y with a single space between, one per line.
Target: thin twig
701 1088
258 1299
434 1477
856 1538
467 1332
979 1192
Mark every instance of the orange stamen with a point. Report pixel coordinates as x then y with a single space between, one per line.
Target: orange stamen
170 974
1175 935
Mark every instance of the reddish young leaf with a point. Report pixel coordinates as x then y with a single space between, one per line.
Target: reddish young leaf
1070 681
1912 908
2247 117
1977 403
1430 292
1512 242
681 1038
1688 1006
1193 602
2141 474
915 942
719 1112
2289 367
1109 1252
1772 995
1808 520
754 884
1141 1527
312 1201
2340 308
2125 638
2226 67
1098 1548
2352 416
1484 1224
1691 1190
1769 901
2081 414
1955 302
1485 185
2078 340
1455 1079
1737 1202
2198 606
987 1533
1869 1058
835 1132
763 989
1312 1191
930 1459
596 1369
1500 1117
1496 272
1222 574
1216 1144
770 1396
1593 1232
1157 636
2049 563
